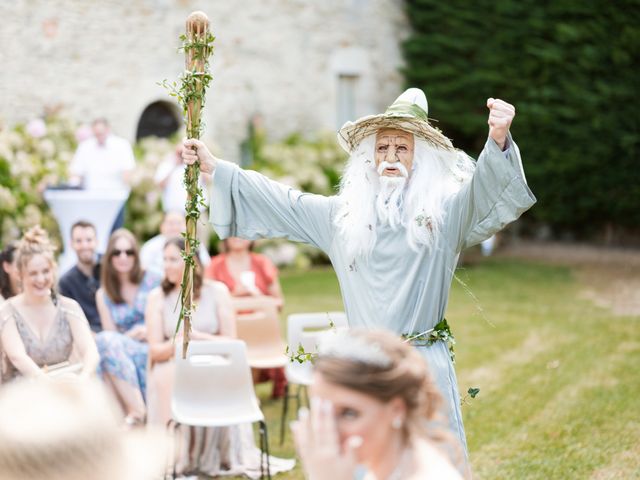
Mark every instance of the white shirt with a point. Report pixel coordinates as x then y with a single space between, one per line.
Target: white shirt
102 166
174 195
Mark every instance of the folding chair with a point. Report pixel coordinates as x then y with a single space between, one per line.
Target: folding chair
213 388
260 329
304 329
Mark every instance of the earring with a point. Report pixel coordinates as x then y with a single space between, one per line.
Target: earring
397 423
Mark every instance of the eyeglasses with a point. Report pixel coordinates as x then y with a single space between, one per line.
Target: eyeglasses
129 252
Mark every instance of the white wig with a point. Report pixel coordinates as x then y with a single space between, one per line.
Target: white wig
436 175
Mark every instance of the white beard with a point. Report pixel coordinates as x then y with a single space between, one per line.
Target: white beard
389 200
417 205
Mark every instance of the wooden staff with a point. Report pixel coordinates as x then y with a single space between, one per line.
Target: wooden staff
198 46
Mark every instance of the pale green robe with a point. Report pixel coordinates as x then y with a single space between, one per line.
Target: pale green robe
398 289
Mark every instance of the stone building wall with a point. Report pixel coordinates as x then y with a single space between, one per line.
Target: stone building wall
281 59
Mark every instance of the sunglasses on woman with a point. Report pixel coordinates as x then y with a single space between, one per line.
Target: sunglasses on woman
128 252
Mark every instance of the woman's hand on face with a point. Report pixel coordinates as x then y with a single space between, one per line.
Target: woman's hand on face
318 444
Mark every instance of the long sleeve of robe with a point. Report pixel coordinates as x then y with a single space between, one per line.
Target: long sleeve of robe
397 288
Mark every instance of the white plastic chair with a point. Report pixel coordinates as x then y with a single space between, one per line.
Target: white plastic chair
213 388
304 329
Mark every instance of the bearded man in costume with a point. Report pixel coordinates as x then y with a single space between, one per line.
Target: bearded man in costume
408 204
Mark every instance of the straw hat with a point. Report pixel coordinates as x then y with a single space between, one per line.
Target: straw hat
408 113
58 430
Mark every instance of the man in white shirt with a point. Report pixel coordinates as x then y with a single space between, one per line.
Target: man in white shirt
103 162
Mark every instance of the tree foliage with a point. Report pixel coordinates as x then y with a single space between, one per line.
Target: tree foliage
571 70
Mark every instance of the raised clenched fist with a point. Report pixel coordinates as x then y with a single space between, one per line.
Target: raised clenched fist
501 115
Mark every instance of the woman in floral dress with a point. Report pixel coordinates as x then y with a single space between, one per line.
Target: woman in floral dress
121 303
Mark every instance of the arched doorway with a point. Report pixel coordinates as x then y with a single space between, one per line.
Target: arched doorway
160 119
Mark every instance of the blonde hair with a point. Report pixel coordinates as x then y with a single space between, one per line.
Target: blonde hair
397 370
34 242
69 430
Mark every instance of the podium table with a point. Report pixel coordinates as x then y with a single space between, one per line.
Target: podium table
99 207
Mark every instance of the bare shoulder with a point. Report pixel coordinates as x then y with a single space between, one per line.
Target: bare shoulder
155 295
155 300
71 308
69 303
6 309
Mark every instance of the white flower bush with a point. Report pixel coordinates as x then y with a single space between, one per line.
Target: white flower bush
32 156
144 212
39 153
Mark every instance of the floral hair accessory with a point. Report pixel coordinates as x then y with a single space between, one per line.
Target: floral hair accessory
347 346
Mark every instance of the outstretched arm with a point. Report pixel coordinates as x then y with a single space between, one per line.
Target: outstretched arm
247 204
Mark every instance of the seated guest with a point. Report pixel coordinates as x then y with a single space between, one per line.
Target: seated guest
209 451
245 273
373 404
173 224
83 280
213 318
121 301
9 282
9 275
253 281
40 328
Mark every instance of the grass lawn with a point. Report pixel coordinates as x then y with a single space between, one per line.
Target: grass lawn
558 377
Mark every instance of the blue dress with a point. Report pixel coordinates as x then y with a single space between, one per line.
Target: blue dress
122 356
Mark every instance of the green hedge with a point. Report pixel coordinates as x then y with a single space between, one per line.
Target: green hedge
571 70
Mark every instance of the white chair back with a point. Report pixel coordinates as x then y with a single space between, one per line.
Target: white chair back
304 329
213 385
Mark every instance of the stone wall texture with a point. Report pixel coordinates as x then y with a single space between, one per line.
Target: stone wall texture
277 58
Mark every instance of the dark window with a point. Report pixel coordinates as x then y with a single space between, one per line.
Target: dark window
160 119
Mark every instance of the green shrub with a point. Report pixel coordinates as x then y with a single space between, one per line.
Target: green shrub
570 68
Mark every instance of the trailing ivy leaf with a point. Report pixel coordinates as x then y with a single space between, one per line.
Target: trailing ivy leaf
473 391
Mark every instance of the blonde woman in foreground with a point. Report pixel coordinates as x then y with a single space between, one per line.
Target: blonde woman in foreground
373 412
